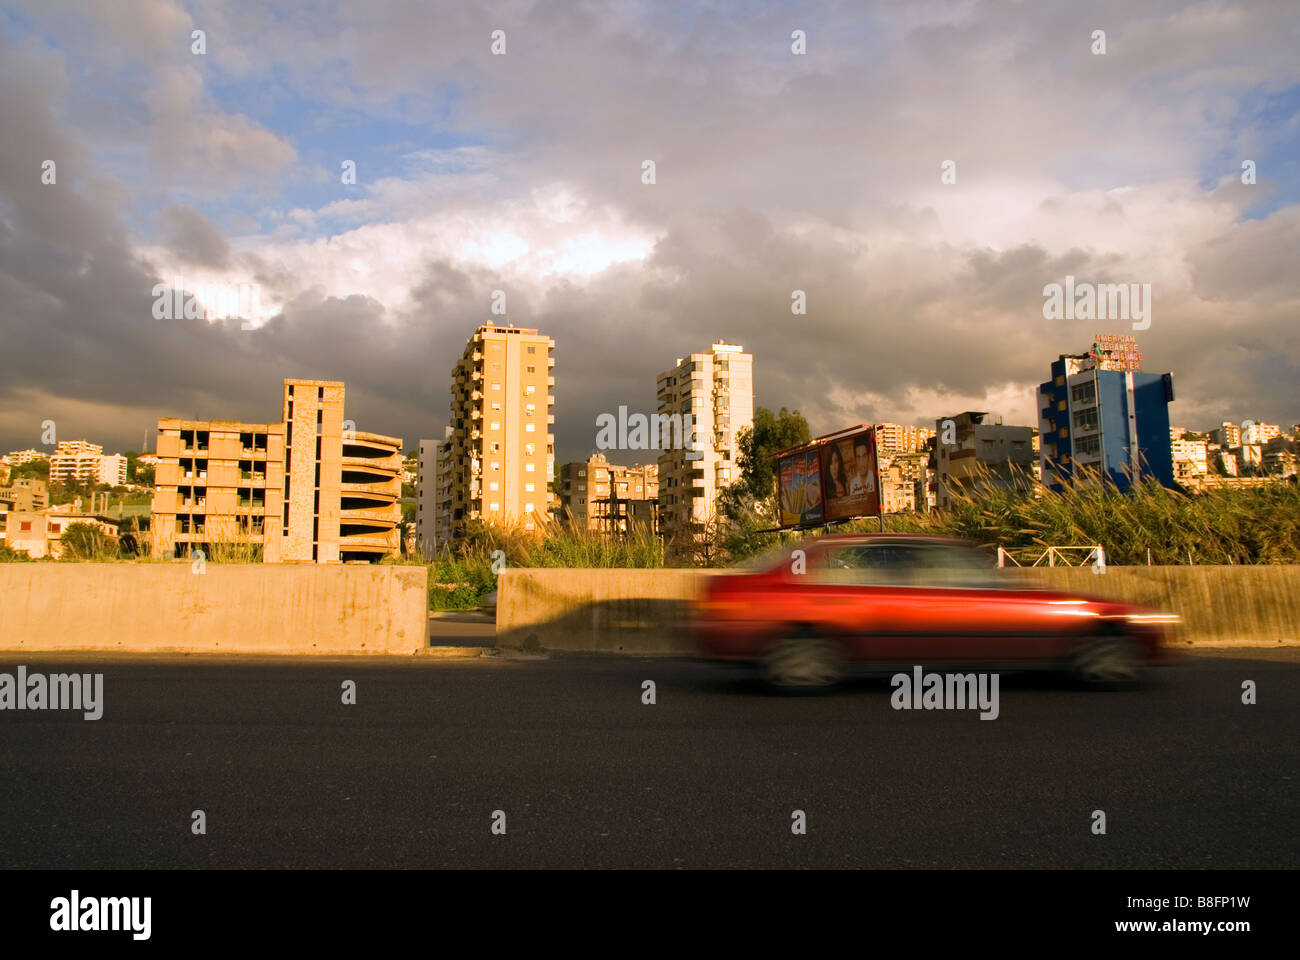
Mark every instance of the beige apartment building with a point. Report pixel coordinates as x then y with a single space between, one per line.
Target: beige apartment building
18 457
499 459
39 533
895 439
606 497
716 390
308 488
1190 457
85 462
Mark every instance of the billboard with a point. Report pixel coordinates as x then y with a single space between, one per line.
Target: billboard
799 489
835 477
852 487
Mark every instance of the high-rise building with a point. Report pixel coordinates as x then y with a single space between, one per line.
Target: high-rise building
980 455
602 496
84 462
1190 458
426 487
716 389
1100 416
1227 435
500 458
308 488
896 439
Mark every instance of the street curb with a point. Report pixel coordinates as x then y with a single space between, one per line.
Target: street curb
445 653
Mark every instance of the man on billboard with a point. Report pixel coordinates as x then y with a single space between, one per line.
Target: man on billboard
863 478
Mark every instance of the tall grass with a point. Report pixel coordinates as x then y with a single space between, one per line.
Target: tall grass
461 575
1223 526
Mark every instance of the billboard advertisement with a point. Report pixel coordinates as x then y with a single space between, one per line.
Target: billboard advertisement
799 490
850 483
832 478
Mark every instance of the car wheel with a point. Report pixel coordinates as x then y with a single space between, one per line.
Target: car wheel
803 663
1107 662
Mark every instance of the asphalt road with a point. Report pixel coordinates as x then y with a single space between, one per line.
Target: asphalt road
589 776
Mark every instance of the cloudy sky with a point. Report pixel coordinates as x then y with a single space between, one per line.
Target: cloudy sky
522 172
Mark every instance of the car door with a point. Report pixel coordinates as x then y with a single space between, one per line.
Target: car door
949 607
863 595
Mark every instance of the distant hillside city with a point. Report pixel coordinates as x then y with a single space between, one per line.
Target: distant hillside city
306 486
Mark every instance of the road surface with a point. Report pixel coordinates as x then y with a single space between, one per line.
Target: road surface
587 775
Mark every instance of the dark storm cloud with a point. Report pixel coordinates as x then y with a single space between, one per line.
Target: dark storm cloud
776 173
194 238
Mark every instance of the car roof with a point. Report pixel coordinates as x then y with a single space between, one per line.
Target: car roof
831 539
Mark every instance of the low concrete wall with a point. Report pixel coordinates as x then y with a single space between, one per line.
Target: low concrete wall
230 608
615 611
639 611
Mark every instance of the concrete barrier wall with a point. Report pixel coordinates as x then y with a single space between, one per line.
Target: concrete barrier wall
230 608
639 611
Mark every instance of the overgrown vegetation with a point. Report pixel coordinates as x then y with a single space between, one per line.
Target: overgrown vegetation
1225 526
85 541
463 575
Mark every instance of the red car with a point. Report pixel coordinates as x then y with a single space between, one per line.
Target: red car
894 601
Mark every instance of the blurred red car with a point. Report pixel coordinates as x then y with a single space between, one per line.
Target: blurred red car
894 601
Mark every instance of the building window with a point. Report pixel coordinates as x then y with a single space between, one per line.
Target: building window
530 389
530 408
1089 446
496 425
530 468
530 428
494 507
532 349
528 508
494 486
496 386
531 368
530 448
530 487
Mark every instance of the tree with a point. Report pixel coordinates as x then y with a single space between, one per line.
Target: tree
85 541
759 443
38 469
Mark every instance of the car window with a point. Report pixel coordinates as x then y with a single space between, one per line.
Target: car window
901 564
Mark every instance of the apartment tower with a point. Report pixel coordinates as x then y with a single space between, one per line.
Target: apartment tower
499 461
1100 416
716 390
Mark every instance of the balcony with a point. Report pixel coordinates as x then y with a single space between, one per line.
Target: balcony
364 543
382 468
384 517
383 490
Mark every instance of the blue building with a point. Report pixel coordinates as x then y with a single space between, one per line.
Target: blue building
1101 416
